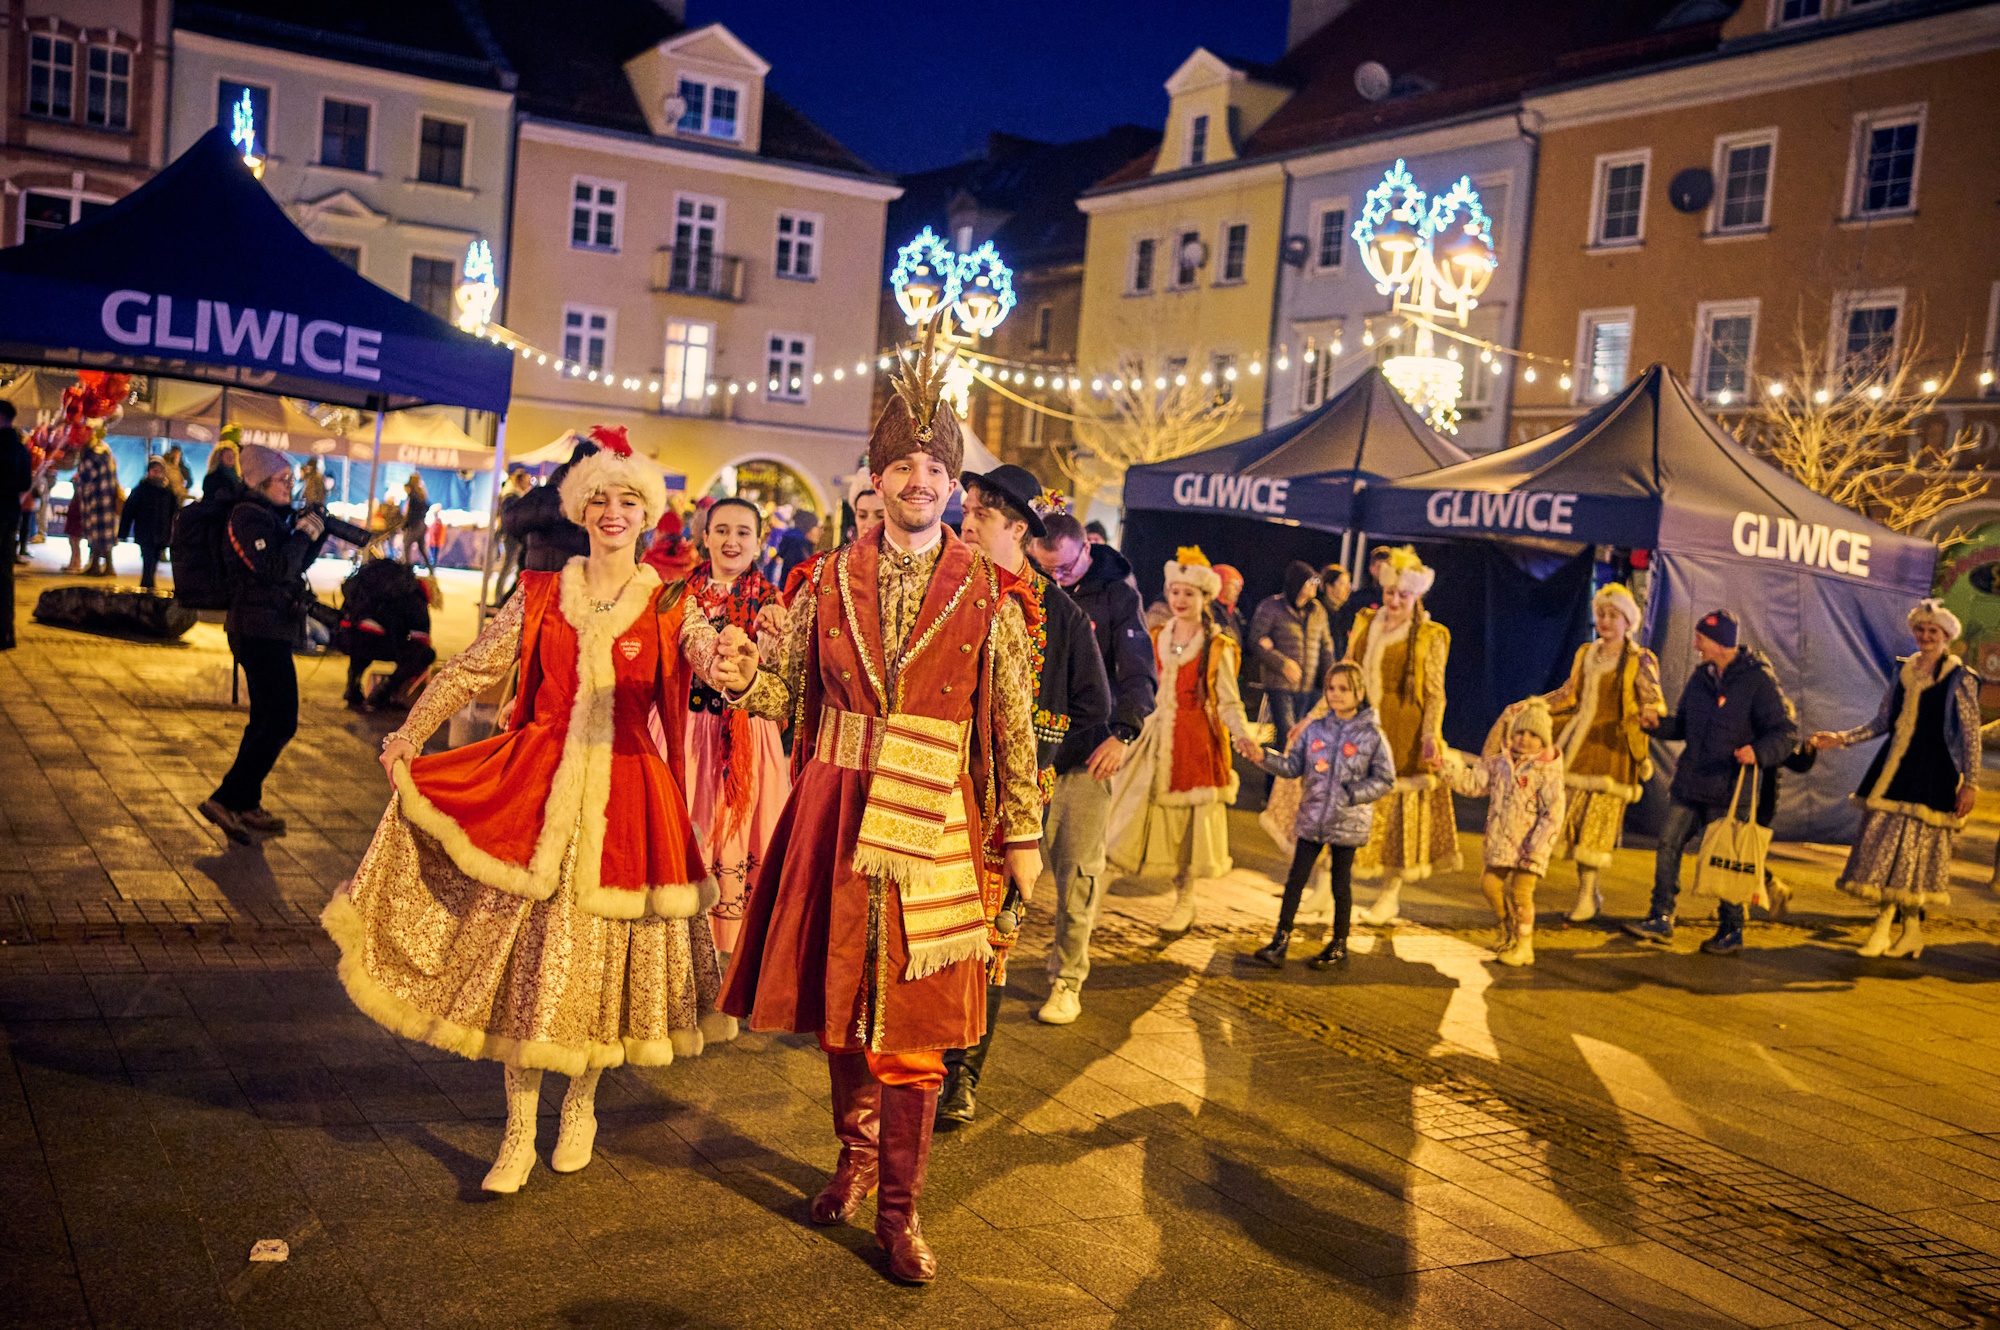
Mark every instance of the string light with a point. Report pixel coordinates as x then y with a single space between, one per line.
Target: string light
1930 385
1563 383
1529 374
1776 389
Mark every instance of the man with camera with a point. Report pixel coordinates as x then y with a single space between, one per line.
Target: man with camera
269 548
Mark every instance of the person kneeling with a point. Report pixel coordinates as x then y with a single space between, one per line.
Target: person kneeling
1342 763
1524 787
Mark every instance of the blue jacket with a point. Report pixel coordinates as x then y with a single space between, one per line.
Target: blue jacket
1342 767
1720 713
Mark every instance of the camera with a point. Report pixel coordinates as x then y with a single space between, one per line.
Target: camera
339 530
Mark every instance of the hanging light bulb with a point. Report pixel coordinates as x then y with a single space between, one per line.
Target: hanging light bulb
1722 398
839 374
1284 363
1776 389
1822 396
1160 383
1930 385
1335 348
1563 383
1256 367
1097 385
1498 368
1485 357
1038 380
1367 337
1180 380
1529 374
1451 353
1118 385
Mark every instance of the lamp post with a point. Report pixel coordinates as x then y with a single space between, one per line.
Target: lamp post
1432 257
969 295
243 133
479 289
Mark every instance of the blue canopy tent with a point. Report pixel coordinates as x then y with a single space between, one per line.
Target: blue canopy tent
1820 589
1262 501
199 274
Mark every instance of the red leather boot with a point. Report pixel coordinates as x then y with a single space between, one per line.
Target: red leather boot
907 1114
857 1122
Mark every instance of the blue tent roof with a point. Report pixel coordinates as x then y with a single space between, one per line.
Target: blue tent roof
1305 471
198 274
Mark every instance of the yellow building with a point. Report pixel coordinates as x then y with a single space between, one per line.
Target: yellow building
1182 254
694 260
1812 193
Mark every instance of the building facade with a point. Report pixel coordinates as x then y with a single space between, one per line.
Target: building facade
389 146
694 260
1812 196
83 119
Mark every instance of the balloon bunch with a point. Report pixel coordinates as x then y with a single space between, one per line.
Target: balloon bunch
96 397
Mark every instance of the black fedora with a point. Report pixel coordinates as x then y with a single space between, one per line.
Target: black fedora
1020 488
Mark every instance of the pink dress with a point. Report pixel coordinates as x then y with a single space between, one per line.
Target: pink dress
737 774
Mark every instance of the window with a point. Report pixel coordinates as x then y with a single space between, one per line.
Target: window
1482 377
1037 432
798 245
1189 253
1198 141
587 335
1621 199
1144 251
962 238
1222 368
1797 11
1725 336
697 242
788 367
107 88
343 135
1235 250
709 109
432 282
1885 166
51 75
595 213
1604 353
348 254
1319 350
44 212
229 95
1866 331
1331 238
1743 171
441 152
690 356
1045 317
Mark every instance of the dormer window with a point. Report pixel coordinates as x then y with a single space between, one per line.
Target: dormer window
1198 141
710 109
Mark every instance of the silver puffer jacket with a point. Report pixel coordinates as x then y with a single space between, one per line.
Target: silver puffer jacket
1342 767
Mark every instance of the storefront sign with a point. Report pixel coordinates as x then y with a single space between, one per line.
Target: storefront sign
1758 536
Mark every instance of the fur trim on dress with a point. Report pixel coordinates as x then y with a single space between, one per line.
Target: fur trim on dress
1603 785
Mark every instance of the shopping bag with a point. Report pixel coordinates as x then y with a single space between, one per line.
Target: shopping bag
1731 863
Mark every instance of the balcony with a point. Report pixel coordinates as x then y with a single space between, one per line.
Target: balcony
697 272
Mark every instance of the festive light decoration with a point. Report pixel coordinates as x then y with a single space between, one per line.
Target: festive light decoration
479 290
243 133
1422 251
986 287
926 278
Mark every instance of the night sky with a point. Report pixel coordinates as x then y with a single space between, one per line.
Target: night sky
914 85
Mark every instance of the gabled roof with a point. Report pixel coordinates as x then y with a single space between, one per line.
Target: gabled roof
437 39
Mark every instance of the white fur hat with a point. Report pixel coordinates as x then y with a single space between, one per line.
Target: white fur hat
613 466
1932 610
1191 566
1412 574
1620 599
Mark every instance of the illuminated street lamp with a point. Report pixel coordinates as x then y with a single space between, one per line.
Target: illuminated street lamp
925 278
243 133
479 290
1433 258
969 295
986 288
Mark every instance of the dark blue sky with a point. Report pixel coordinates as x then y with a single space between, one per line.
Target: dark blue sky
911 85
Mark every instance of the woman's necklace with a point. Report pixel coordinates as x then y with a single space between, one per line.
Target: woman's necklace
606 606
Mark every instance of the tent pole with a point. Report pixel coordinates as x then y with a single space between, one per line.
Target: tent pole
486 570
374 470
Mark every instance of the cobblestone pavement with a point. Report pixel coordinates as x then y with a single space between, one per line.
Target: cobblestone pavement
1620 1136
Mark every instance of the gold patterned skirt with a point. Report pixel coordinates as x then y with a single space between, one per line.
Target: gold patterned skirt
433 955
1899 860
1414 832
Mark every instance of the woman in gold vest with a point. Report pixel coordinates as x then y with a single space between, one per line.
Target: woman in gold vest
1402 651
1613 684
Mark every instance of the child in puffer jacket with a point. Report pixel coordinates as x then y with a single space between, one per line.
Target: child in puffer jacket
1343 764
1523 783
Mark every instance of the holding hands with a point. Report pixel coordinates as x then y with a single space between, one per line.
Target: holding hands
1826 739
734 668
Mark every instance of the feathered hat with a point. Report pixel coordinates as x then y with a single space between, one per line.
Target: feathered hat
613 466
1535 719
916 418
1410 572
1619 599
1931 610
1191 566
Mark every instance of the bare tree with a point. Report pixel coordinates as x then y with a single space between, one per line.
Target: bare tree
1146 417
1860 428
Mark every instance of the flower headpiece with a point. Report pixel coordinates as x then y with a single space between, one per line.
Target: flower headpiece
1411 573
1048 503
1191 566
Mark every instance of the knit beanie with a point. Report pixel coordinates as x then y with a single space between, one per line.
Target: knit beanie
1719 627
257 464
1534 718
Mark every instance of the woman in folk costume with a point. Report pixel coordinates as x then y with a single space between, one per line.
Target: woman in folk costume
1179 769
1919 788
537 899
905 670
736 773
1600 713
1401 651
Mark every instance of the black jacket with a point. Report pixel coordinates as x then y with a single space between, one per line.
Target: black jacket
382 604
1118 621
149 514
17 477
1718 714
267 563
1072 693
548 540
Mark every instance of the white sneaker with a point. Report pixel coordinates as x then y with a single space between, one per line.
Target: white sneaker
1065 1004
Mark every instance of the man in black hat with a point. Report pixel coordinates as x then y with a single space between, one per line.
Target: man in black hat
1732 715
1070 691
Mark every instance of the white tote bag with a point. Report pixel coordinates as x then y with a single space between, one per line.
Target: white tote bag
1731 863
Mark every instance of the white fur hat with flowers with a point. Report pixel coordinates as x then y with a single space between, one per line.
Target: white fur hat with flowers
1932 611
613 466
1191 566
1411 573
1619 599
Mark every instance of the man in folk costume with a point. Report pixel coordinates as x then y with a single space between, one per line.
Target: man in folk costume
1003 509
905 670
1402 652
